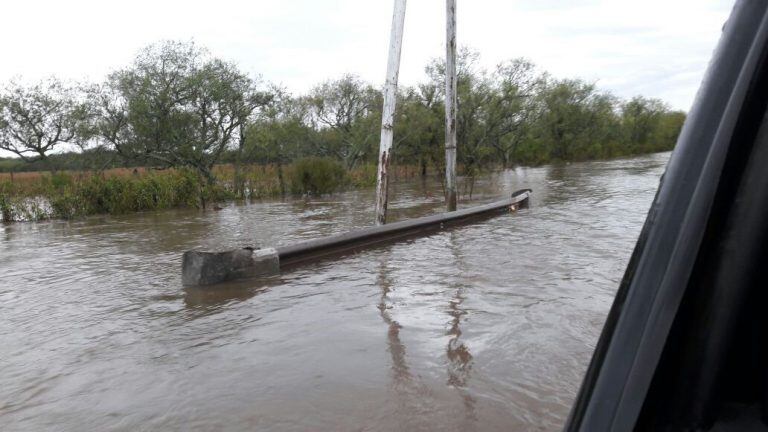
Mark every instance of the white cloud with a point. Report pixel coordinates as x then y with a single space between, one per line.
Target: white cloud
656 48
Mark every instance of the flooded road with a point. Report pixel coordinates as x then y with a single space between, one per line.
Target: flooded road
484 327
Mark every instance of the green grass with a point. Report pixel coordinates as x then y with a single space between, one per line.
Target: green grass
69 195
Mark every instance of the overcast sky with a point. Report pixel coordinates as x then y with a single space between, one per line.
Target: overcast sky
656 48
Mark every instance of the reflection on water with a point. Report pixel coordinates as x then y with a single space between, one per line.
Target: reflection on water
408 392
400 373
459 357
483 327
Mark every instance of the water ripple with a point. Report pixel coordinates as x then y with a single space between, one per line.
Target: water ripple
484 327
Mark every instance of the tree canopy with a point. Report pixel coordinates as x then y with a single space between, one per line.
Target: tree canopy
36 119
176 105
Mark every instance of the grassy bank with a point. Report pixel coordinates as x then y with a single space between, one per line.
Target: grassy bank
66 195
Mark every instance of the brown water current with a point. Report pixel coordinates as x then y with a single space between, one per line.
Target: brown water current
484 327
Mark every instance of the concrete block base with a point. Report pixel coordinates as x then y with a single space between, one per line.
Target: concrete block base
208 268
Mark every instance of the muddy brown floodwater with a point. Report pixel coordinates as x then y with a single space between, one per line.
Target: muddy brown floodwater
484 327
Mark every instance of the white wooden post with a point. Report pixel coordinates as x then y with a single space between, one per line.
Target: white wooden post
388 113
450 106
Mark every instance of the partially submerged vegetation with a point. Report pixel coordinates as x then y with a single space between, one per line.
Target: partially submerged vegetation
67 195
205 131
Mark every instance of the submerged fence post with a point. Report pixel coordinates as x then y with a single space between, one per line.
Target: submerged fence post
388 113
450 105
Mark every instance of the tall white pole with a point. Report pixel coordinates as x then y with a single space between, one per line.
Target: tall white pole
388 113
450 105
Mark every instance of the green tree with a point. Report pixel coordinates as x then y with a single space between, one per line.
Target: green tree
495 110
36 119
176 106
420 128
512 107
641 120
669 130
347 113
577 121
281 135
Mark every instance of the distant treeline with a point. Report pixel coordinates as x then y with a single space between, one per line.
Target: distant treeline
176 106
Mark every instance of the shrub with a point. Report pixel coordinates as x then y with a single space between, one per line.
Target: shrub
65 205
6 206
70 195
364 176
316 176
59 180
